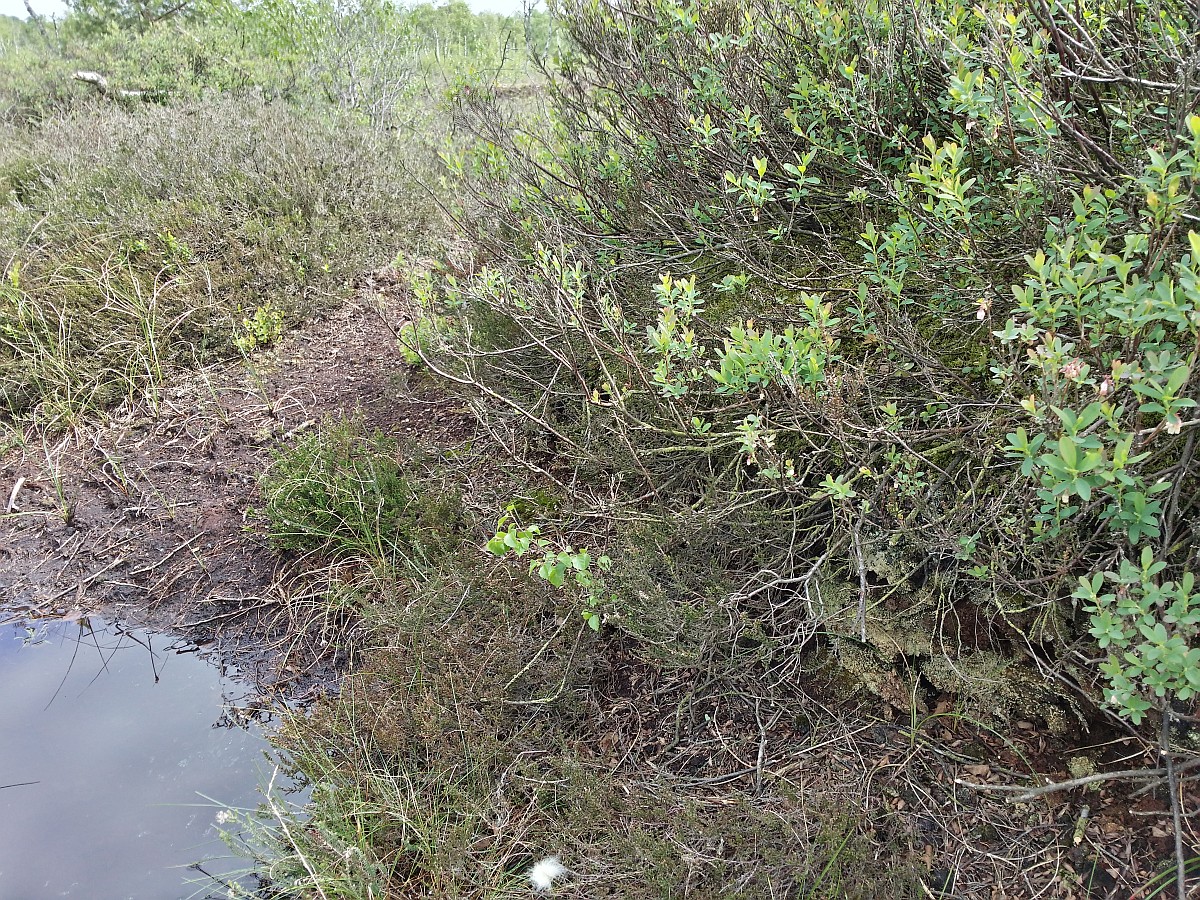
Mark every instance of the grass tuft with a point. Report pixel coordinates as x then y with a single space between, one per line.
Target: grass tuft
135 241
344 492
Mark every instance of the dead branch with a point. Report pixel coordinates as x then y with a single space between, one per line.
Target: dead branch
100 83
1024 794
37 20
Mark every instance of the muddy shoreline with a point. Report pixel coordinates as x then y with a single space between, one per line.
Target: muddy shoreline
150 517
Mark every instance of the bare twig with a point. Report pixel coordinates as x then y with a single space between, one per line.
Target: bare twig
12 497
860 620
18 784
154 565
1024 794
281 817
229 615
1177 819
86 581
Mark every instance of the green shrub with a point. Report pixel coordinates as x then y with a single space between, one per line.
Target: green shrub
555 563
865 269
260 329
1151 629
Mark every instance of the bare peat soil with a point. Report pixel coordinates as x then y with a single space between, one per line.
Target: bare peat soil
148 515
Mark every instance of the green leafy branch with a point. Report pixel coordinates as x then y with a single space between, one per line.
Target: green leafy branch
555 564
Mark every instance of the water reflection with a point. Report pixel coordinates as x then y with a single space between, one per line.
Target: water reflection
110 741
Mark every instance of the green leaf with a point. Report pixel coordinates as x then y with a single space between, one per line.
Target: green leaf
1068 451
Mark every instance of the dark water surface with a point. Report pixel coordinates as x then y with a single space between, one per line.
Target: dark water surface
121 732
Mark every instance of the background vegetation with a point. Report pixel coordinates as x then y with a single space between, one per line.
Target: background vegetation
234 160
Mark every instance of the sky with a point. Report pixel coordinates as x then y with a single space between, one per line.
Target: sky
58 7
41 7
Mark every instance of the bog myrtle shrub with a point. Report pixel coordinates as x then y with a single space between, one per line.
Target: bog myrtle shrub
868 275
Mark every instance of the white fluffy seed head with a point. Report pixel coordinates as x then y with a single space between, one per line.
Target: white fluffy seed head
544 872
